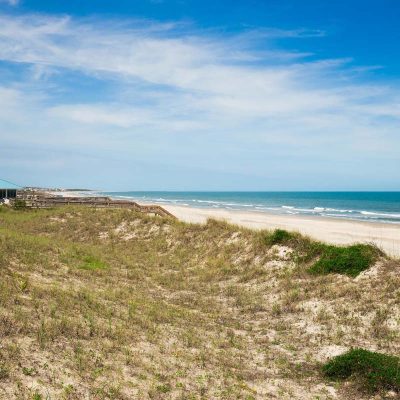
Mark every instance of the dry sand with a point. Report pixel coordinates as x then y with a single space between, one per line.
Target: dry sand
331 230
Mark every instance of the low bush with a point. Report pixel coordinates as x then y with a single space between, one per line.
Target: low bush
279 236
349 260
19 204
376 371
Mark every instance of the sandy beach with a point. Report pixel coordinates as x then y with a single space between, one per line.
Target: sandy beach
386 236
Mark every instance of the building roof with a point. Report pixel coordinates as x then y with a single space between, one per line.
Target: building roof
8 185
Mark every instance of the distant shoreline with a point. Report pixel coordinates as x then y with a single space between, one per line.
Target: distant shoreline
379 207
328 229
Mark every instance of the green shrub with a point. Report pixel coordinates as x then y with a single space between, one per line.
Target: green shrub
350 260
347 260
19 204
374 370
279 236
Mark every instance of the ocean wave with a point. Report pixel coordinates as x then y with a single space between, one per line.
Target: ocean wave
317 210
354 210
379 214
207 201
341 211
267 208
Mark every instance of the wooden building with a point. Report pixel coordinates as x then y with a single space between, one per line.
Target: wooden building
8 190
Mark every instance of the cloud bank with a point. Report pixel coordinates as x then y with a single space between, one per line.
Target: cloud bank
168 95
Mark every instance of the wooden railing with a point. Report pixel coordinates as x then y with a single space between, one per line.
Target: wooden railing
44 200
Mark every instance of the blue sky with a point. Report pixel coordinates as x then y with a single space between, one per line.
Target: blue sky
201 95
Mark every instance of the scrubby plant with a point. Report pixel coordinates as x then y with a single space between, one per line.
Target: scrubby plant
376 371
4 372
19 204
349 260
279 236
165 388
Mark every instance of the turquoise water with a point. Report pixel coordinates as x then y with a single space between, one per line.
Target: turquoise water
365 206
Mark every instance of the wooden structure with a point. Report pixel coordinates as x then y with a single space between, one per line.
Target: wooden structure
36 199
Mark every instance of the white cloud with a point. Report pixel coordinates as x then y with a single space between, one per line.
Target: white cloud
10 2
172 79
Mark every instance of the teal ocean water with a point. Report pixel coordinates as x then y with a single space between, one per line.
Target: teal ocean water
364 206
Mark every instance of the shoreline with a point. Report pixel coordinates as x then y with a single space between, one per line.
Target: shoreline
331 230
327 229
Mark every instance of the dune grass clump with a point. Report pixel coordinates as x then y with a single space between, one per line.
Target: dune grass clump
4 373
92 263
376 371
279 236
349 260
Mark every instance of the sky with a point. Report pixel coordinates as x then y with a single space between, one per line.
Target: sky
265 95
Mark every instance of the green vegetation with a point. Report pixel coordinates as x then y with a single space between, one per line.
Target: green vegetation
279 236
375 370
92 263
19 204
111 304
4 373
346 260
28 371
350 260
164 388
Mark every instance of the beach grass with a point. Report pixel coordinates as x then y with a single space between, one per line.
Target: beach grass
279 236
113 304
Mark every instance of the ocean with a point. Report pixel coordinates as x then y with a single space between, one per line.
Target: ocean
363 206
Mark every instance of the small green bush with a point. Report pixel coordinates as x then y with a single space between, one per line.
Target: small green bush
279 236
376 371
19 204
347 260
350 260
